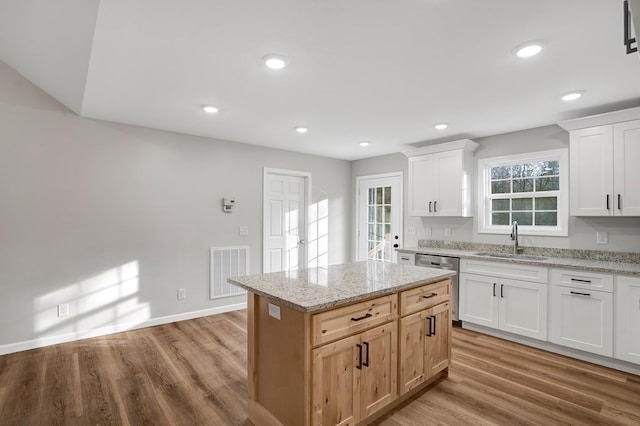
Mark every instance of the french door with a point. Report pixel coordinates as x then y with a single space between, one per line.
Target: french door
379 216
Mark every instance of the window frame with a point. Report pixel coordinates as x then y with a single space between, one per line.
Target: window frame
484 193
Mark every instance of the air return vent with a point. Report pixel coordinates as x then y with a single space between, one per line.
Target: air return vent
227 262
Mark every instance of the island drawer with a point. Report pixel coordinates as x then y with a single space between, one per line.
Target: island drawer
338 323
424 297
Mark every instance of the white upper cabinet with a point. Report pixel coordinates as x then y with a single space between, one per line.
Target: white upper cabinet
626 168
440 179
604 164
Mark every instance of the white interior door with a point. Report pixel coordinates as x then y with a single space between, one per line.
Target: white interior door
379 220
285 209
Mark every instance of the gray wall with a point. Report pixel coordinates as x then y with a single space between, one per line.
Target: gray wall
624 233
113 219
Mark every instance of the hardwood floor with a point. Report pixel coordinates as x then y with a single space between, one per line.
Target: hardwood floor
194 373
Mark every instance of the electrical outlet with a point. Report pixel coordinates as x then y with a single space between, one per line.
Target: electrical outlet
602 238
274 311
427 231
182 293
63 310
243 231
411 230
447 231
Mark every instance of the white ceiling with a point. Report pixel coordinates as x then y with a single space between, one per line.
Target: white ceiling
384 71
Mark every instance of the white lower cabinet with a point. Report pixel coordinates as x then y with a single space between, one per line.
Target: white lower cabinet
478 303
523 308
582 311
507 304
627 331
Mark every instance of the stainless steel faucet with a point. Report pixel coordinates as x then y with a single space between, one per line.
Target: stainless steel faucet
514 236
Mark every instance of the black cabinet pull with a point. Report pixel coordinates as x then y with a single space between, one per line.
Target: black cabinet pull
435 263
494 289
435 206
429 326
433 333
395 245
430 296
580 281
366 354
361 318
359 366
577 293
430 206
501 290
619 202
607 201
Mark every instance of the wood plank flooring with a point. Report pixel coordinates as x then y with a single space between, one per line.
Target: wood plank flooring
194 373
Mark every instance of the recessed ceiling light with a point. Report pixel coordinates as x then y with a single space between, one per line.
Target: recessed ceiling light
275 62
364 143
301 129
210 109
572 96
441 126
530 48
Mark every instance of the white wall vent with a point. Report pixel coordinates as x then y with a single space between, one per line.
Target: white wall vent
227 262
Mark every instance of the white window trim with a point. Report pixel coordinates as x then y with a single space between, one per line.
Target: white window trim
484 207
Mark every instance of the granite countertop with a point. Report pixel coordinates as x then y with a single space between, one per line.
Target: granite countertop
607 262
314 289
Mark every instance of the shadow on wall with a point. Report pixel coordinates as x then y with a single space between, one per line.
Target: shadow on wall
104 301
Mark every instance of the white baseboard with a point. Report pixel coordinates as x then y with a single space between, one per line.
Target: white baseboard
625 366
103 331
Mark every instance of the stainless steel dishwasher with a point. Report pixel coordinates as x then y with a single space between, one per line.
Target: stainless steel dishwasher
444 262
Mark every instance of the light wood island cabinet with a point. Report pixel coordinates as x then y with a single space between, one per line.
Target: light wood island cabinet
341 351
425 334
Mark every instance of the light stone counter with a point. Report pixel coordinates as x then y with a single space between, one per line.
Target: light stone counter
315 289
598 261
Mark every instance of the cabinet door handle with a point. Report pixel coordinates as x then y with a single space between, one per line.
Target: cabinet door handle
359 366
430 202
619 202
608 202
366 354
430 296
494 289
501 290
435 206
578 280
429 326
433 333
577 293
361 318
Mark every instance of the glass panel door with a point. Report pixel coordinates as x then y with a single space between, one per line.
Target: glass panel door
379 217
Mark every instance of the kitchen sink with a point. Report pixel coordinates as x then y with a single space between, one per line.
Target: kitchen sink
510 256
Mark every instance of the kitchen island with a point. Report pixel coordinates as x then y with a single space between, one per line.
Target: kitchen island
343 345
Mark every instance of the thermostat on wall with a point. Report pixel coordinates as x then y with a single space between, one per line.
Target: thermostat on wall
227 204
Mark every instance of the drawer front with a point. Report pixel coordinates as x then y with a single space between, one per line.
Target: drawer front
406 258
582 279
341 322
424 297
511 270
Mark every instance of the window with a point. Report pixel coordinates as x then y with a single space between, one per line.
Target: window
530 189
